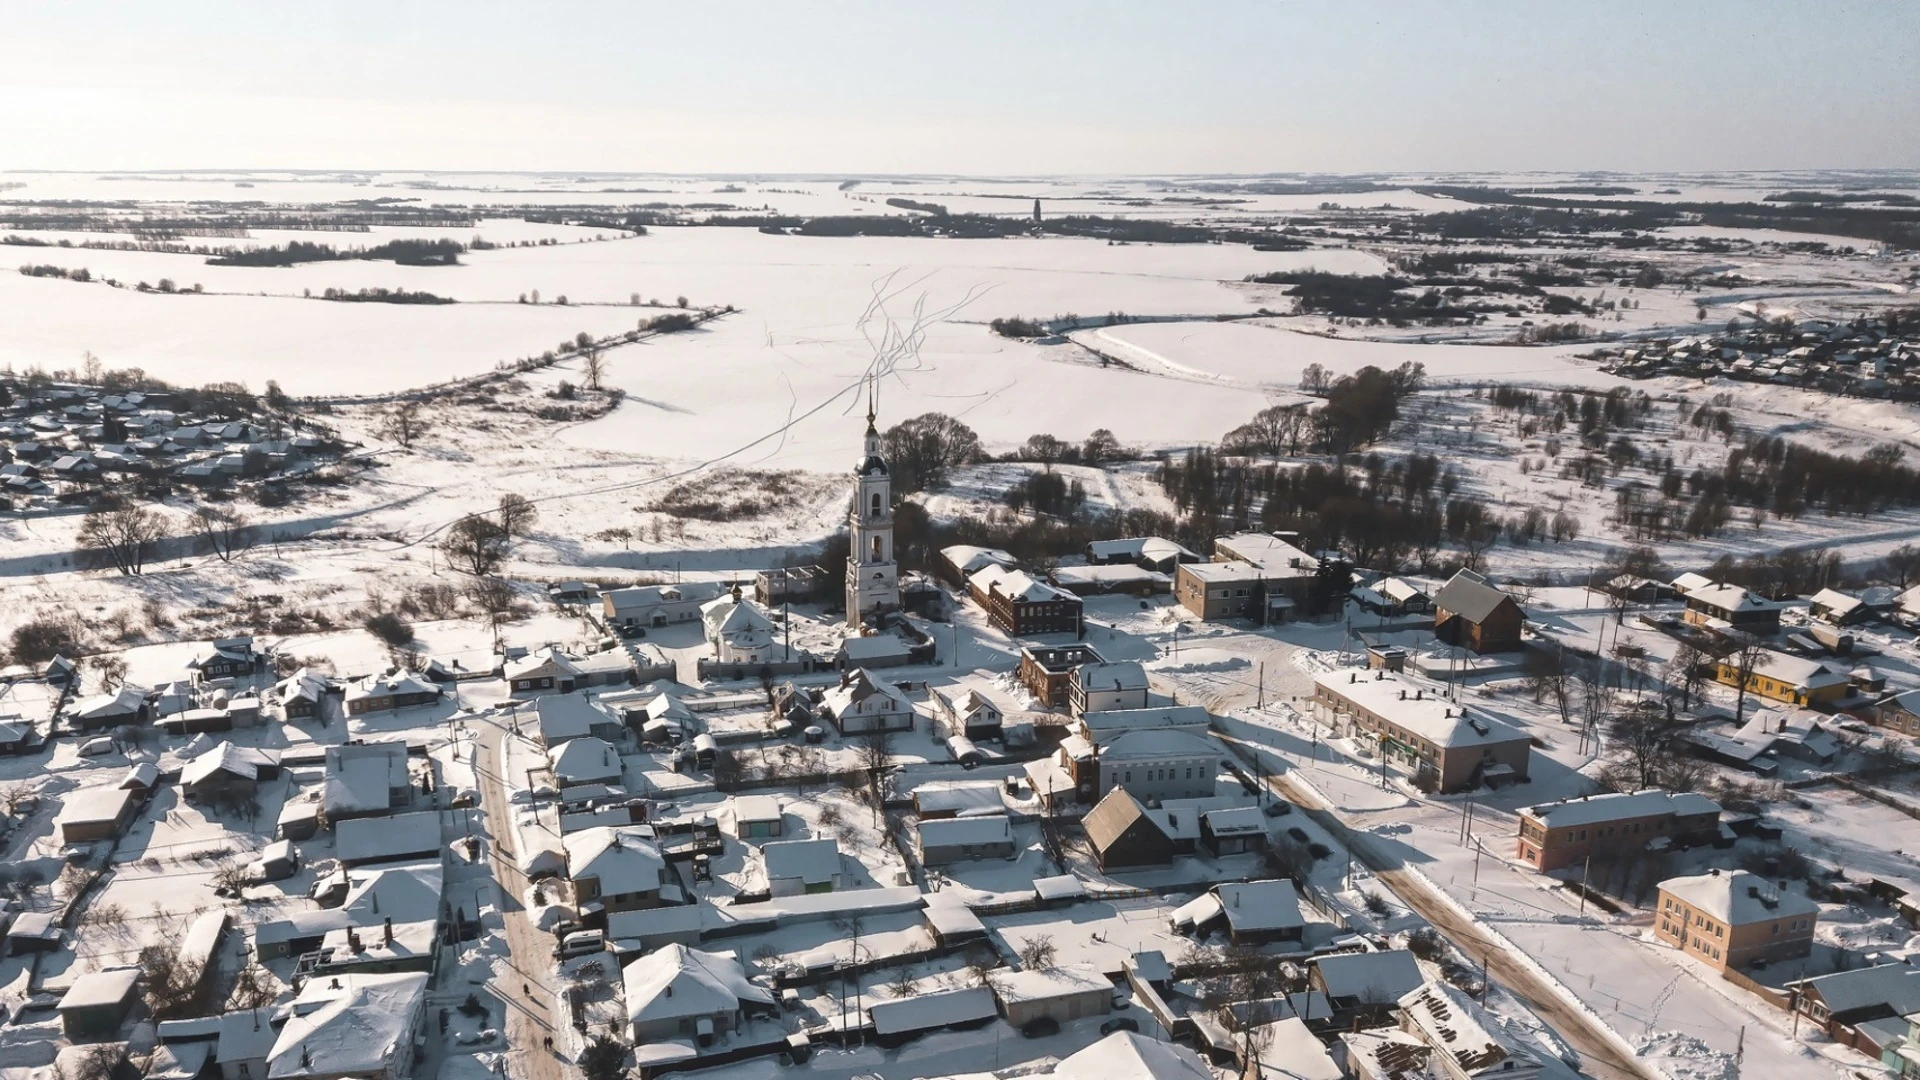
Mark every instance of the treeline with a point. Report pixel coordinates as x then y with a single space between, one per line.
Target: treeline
404 252
385 296
1358 409
1367 296
1017 327
1516 215
914 204
47 270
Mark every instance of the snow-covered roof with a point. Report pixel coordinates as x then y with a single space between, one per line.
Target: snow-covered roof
937 1009
303 685
675 982
1399 590
645 596
1839 604
1017 585
1155 745
1129 1055
1049 983
1105 724
756 808
1728 598
382 686
245 1035
566 716
1371 978
1422 711
361 777
1737 898
375 839
729 616
91 805
863 648
1271 554
959 797
1138 547
1799 671
1453 1025
407 892
124 701
968 703
623 860
100 989
1619 806
1896 985
813 862
1235 821
1470 596
347 1024
1118 675
586 760
540 662
243 762
966 831
143 774
856 687
969 559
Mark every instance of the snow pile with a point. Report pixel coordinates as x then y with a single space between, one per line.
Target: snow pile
1683 1057
1195 660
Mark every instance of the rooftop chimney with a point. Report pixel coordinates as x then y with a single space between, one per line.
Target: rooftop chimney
389 929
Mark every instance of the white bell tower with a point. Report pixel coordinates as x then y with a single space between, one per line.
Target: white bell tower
873 577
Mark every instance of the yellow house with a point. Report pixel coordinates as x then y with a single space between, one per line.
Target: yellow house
1791 679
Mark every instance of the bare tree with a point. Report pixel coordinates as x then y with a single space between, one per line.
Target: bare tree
100 1061
1038 954
903 983
1748 655
517 515
475 545
496 600
253 988
875 750
225 534
1644 749
14 796
174 984
404 424
122 535
1686 667
1547 676
1902 564
593 366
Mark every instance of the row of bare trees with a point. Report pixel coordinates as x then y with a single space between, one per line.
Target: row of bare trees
127 535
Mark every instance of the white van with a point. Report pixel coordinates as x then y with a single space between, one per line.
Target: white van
96 746
581 943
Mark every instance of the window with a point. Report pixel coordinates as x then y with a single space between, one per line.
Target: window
876 547
876 504
1583 834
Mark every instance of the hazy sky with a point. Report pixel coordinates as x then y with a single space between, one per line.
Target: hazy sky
980 87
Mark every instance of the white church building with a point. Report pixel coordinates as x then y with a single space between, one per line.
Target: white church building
873 577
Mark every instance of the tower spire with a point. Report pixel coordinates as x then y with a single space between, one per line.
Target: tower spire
872 409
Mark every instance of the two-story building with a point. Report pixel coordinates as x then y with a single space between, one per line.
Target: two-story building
1021 604
1795 680
1047 670
1444 746
1731 607
1469 611
1612 825
1103 687
1729 919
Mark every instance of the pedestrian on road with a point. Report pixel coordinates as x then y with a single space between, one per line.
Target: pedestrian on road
527 990
549 1042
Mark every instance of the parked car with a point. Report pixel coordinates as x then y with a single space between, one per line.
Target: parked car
1278 808
96 746
1119 1023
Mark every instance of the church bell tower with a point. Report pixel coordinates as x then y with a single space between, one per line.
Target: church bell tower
873 577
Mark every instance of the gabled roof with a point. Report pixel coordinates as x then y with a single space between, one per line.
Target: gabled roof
1619 806
969 559
645 596
586 759
1839 603
1112 816
1455 1026
539 662
361 777
623 860
125 701
814 862
675 982
380 686
1129 1055
243 762
966 831
1470 596
1156 745
566 716
859 685
1260 905
1372 978
347 1024
1896 985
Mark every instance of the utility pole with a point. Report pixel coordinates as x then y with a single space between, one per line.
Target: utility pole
1263 686
1586 874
